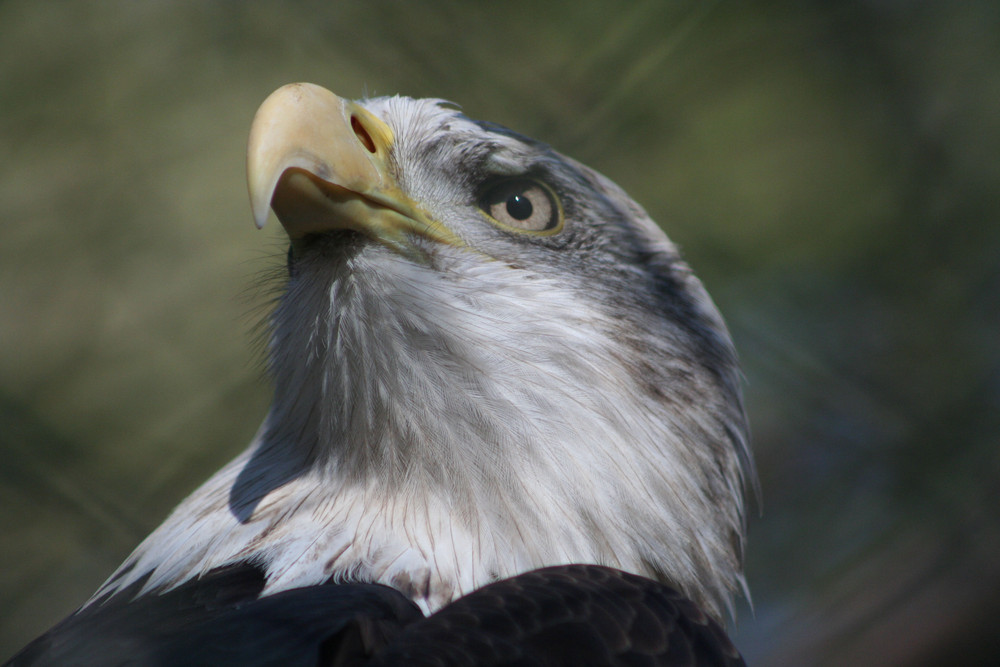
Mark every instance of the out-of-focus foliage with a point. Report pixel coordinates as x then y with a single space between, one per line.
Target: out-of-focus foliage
831 169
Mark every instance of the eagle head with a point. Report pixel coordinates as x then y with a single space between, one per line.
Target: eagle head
487 359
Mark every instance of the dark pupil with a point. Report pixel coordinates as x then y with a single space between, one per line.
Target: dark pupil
519 207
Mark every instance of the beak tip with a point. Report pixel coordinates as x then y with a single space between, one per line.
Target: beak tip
260 217
260 199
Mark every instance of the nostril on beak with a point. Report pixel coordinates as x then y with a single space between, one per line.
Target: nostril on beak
362 134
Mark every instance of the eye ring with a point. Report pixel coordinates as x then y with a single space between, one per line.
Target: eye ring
523 205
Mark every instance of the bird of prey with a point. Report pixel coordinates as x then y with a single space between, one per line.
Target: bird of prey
501 401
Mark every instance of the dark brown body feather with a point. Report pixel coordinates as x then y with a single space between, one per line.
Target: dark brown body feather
566 615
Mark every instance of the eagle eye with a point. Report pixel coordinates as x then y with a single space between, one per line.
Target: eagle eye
523 204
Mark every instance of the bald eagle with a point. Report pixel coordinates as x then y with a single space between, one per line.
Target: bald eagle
507 423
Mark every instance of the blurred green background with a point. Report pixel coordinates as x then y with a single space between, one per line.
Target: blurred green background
832 171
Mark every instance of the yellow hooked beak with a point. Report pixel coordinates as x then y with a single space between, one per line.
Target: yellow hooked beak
321 162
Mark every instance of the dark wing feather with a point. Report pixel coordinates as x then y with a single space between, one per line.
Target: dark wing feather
219 620
566 615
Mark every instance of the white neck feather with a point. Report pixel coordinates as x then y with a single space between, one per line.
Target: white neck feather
421 456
